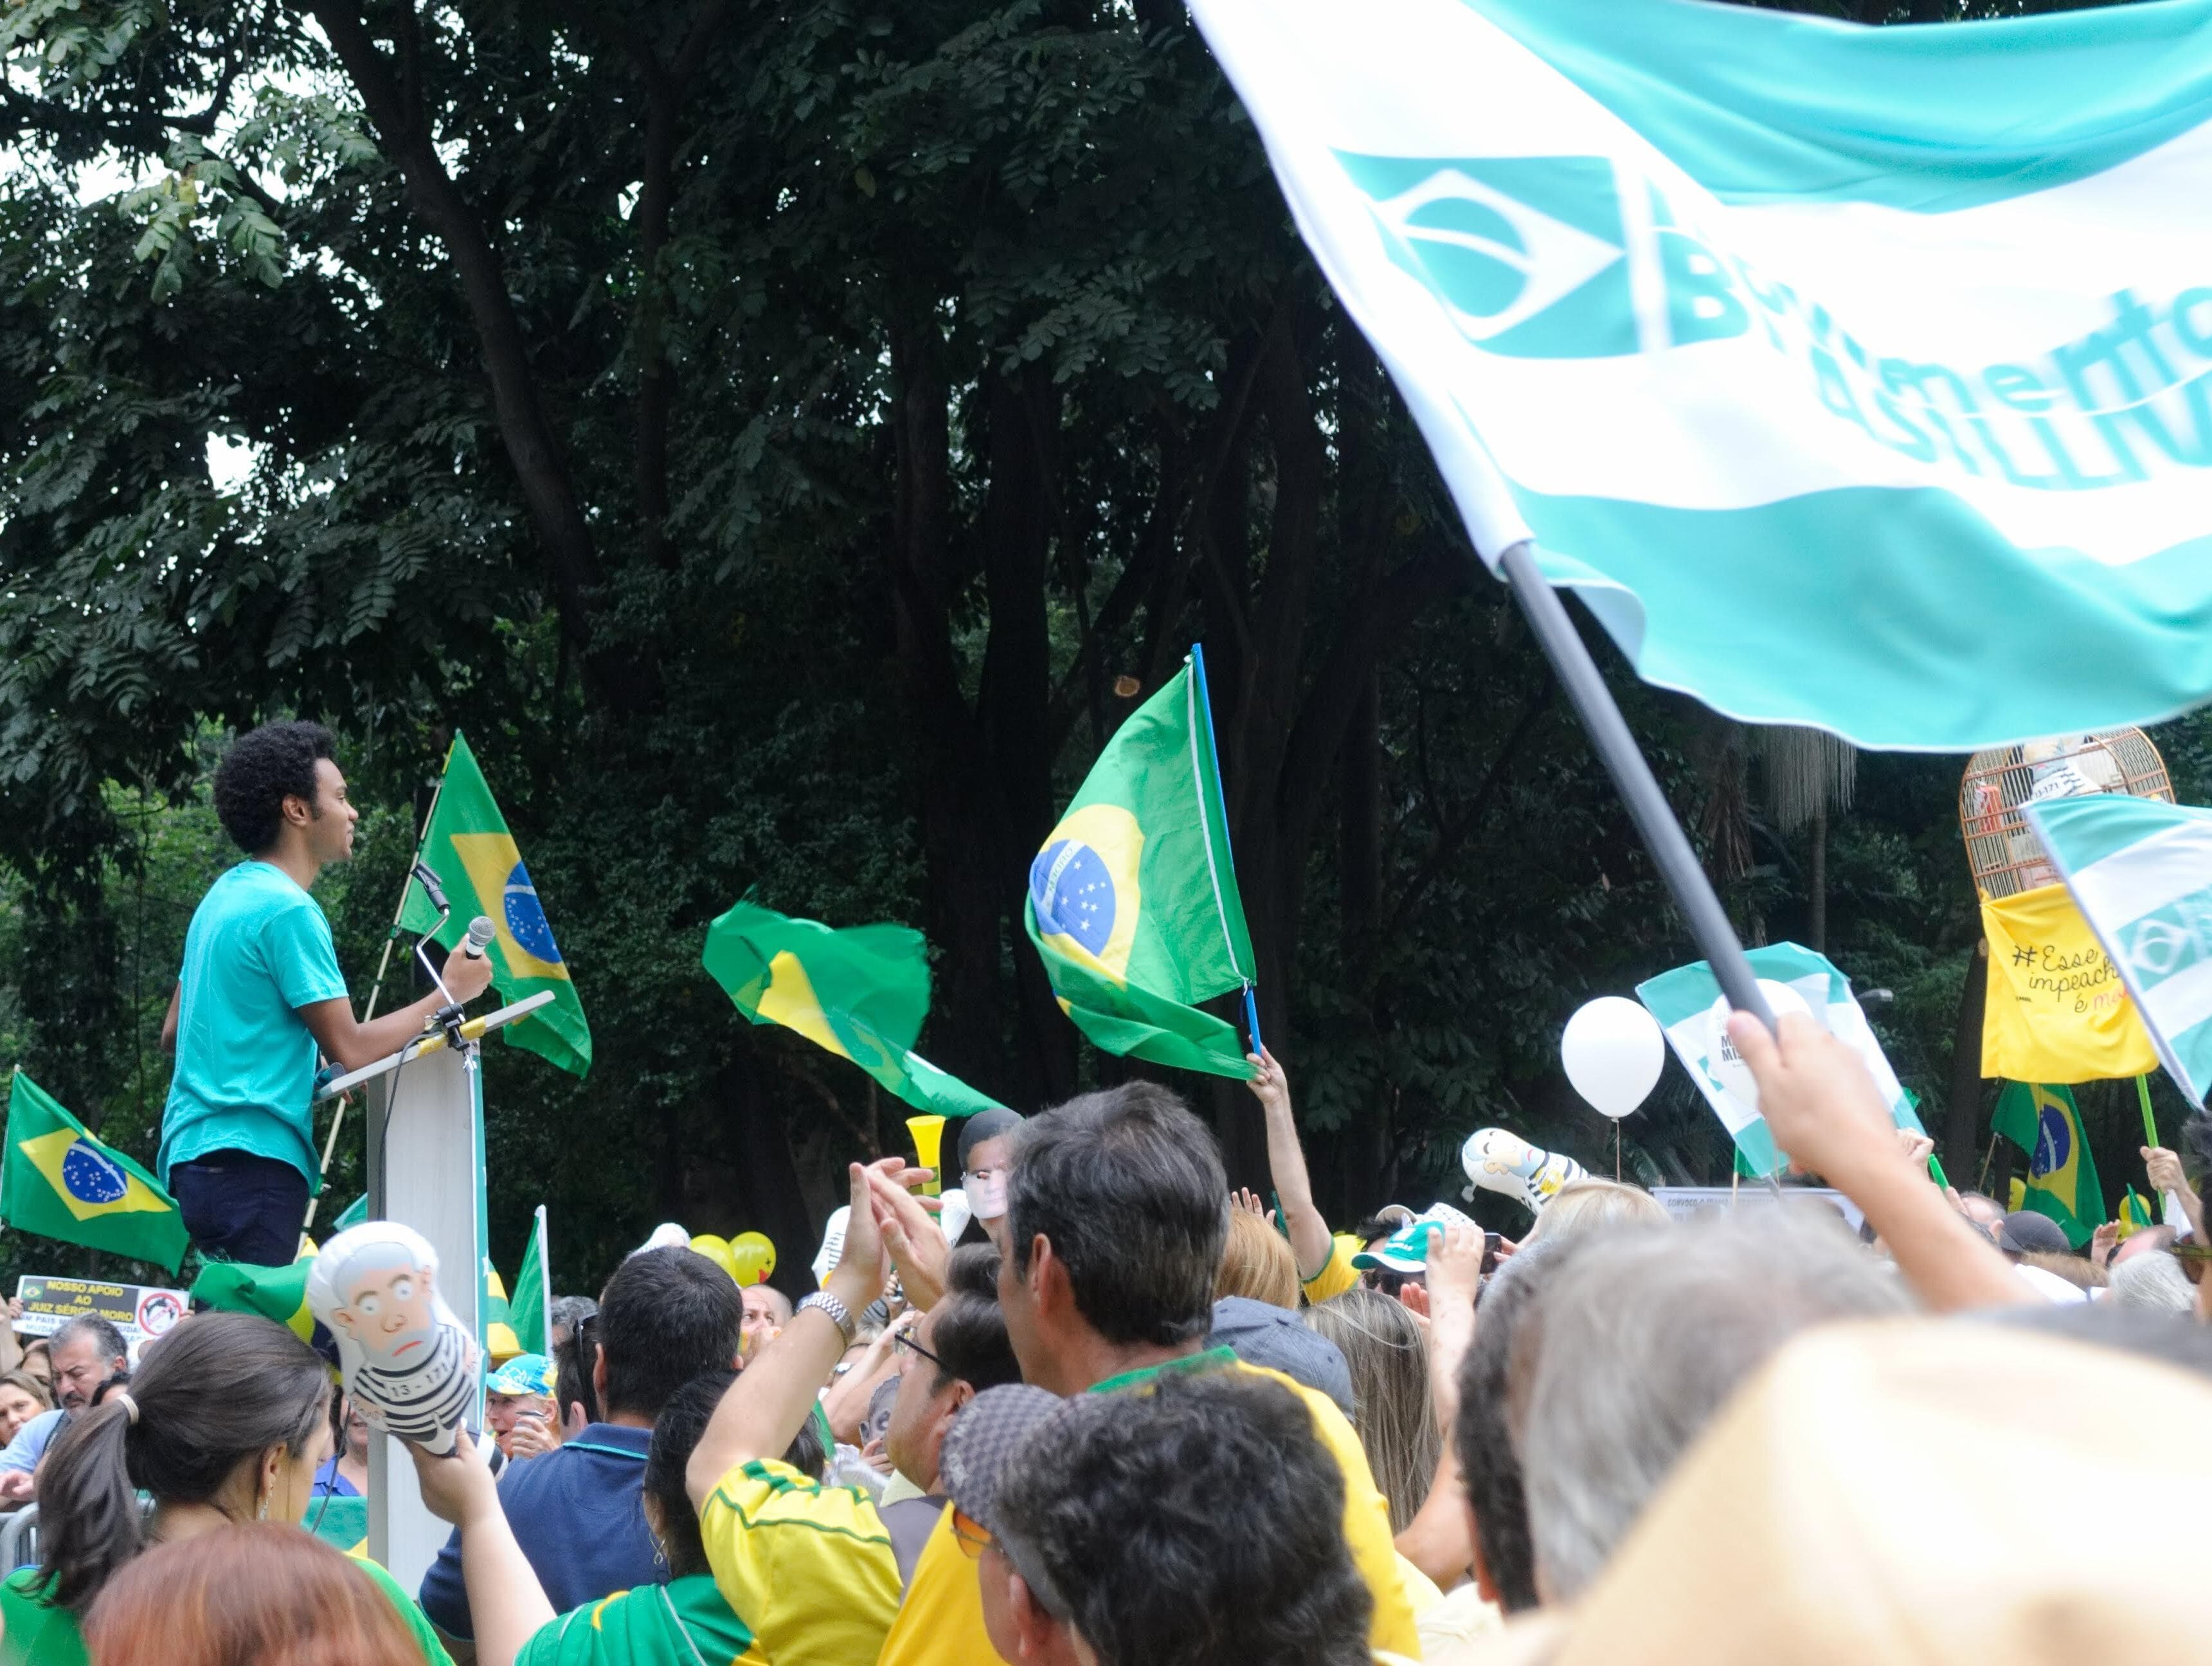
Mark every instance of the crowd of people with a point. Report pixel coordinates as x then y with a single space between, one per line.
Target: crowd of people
1136 1420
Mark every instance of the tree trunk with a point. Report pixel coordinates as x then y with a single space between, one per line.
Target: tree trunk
1817 882
1962 1119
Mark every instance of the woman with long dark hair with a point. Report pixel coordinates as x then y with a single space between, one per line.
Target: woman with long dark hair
227 1421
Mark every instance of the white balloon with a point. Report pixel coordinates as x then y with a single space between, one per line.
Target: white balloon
1613 1051
1720 1057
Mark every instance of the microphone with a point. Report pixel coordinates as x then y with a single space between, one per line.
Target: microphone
481 932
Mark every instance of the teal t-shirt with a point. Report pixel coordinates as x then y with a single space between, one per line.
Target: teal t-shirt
257 949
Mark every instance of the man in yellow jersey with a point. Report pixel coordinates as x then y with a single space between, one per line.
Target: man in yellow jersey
1193 1523
813 1571
1116 1210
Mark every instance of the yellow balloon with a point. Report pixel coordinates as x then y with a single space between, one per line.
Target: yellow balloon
752 1258
717 1250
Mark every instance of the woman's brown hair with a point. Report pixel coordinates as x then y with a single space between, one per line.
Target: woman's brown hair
219 1389
254 1591
1256 1261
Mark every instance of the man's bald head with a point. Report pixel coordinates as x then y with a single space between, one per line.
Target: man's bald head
767 1311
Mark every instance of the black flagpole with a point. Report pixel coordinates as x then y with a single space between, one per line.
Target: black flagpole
1633 778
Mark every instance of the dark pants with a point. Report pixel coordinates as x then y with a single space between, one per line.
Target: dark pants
239 1207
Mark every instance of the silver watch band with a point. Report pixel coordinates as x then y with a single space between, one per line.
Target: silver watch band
839 1314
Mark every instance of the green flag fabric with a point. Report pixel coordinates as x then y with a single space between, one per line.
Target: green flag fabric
274 1292
861 993
468 846
58 1181
2043 1120
354 1212
525 1307
1133 901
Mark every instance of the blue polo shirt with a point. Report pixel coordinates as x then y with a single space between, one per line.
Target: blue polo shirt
579 1514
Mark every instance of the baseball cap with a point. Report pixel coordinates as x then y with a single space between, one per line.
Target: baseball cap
1406 1250
527 1373
2024 1232
985 1438
1261 1334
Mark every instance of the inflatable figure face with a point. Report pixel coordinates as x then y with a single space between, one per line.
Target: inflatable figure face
1499 1161
409 1365
390 1310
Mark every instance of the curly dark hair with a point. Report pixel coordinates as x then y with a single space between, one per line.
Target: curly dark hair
264 767
1196 1523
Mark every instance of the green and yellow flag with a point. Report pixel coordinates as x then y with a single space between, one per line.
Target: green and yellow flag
533 1292
2043 1120
60 1183
500 1344
1133 902
274 1292
861 993
468 846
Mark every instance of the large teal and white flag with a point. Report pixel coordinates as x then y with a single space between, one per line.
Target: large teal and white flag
1859 377
1690 1008
2140 873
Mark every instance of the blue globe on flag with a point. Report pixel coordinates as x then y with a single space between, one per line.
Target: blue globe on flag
526 916
92 1176
1072 891
2054 1144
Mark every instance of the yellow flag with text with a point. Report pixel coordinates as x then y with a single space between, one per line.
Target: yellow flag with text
2058 1011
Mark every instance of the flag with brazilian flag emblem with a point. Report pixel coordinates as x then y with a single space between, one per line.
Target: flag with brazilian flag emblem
468 846
274 1292
1133 901
861 993
58 1181
2042 1119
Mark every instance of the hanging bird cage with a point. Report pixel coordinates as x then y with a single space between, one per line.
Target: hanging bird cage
2002 849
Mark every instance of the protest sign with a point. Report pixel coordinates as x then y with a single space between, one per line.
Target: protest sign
140 1311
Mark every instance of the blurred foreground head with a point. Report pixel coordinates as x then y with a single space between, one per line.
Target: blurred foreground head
1837 1513
1639 1340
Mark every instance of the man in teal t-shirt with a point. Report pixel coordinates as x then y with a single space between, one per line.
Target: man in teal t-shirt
259 993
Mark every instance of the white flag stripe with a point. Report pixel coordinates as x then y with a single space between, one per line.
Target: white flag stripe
2151 874
2180 1004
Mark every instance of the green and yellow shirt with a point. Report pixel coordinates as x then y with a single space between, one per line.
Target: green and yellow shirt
685 1622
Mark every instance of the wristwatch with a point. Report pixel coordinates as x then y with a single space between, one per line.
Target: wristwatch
839 1314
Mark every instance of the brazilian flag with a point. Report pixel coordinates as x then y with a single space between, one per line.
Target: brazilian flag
60 1183
274 1292
861 993
1133 901
468 846
2042 1119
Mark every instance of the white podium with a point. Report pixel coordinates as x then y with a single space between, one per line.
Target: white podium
425 1169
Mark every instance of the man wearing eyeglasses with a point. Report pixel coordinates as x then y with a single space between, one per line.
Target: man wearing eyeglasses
815 1572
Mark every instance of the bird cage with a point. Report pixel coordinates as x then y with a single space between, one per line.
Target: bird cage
2002 849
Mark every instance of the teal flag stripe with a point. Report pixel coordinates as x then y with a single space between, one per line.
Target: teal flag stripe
1759 106
1912 624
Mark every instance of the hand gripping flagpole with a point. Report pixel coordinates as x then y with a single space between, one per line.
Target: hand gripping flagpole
1638 788
1221 804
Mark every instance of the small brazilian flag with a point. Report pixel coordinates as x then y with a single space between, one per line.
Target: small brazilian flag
861 993
533 1292
60 1183
1133 902
468 846
274 1292
2042 1119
